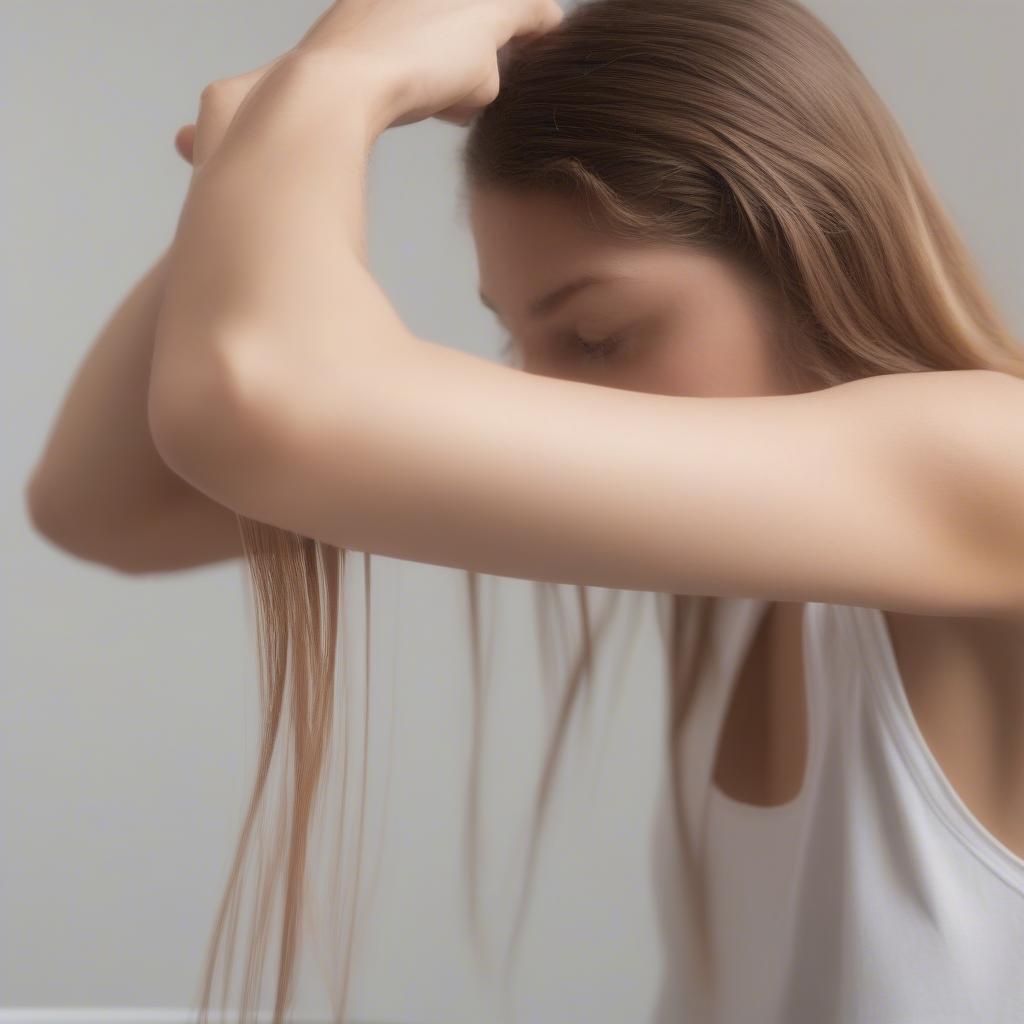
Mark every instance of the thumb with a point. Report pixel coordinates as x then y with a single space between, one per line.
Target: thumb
183 141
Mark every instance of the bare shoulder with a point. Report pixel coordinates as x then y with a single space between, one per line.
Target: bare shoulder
981 405
959 435
948 384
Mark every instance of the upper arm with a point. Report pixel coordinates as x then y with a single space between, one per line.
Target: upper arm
434 455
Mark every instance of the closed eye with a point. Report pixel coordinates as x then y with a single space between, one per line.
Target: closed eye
585 349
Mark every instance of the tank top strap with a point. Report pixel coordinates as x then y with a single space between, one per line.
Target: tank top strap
921 770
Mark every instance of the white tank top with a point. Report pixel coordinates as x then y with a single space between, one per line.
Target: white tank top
874 896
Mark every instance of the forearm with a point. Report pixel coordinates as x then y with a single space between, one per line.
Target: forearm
100 479
270 248
268 280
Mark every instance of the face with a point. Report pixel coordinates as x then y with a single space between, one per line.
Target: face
660 319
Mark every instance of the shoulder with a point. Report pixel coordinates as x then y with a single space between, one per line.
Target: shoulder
971 410
964 431
950 445
948 385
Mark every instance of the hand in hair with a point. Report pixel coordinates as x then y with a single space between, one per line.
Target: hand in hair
420 59
438 57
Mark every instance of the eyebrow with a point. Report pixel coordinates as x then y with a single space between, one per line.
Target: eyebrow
548 303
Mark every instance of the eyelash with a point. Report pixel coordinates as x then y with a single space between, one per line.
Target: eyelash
607 346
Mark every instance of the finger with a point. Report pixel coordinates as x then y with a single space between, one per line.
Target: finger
539 17
458 115
184 141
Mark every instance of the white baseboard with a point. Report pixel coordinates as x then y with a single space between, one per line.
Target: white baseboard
132 1015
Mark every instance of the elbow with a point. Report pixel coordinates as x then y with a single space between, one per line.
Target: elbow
174 426
199 424
55 520
51 514
181 409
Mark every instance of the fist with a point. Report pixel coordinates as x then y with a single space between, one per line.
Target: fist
428 58
218 104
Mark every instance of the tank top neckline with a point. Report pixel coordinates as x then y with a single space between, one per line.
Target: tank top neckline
885 682
873 641
720 802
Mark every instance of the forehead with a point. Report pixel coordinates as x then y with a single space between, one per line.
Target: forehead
527 218
529 244
541 232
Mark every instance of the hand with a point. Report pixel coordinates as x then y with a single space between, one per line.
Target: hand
429 58
423 58
218 104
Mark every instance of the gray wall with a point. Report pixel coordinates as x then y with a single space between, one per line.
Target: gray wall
129 704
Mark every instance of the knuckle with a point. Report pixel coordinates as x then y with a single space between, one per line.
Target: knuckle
211 92
219 91
492 85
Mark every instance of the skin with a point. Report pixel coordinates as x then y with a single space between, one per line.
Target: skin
694 324
691 324
266 384
708 332
275 344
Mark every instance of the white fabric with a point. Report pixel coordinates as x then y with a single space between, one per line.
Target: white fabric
875 896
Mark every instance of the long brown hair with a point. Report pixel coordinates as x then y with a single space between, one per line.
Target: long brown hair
741 127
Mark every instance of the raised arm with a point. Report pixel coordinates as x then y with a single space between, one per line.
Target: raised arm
289 389
100 489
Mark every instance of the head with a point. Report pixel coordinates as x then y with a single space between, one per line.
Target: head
758 223
663 317
730 163
768 231
752 214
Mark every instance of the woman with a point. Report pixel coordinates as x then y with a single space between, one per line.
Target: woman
672 200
